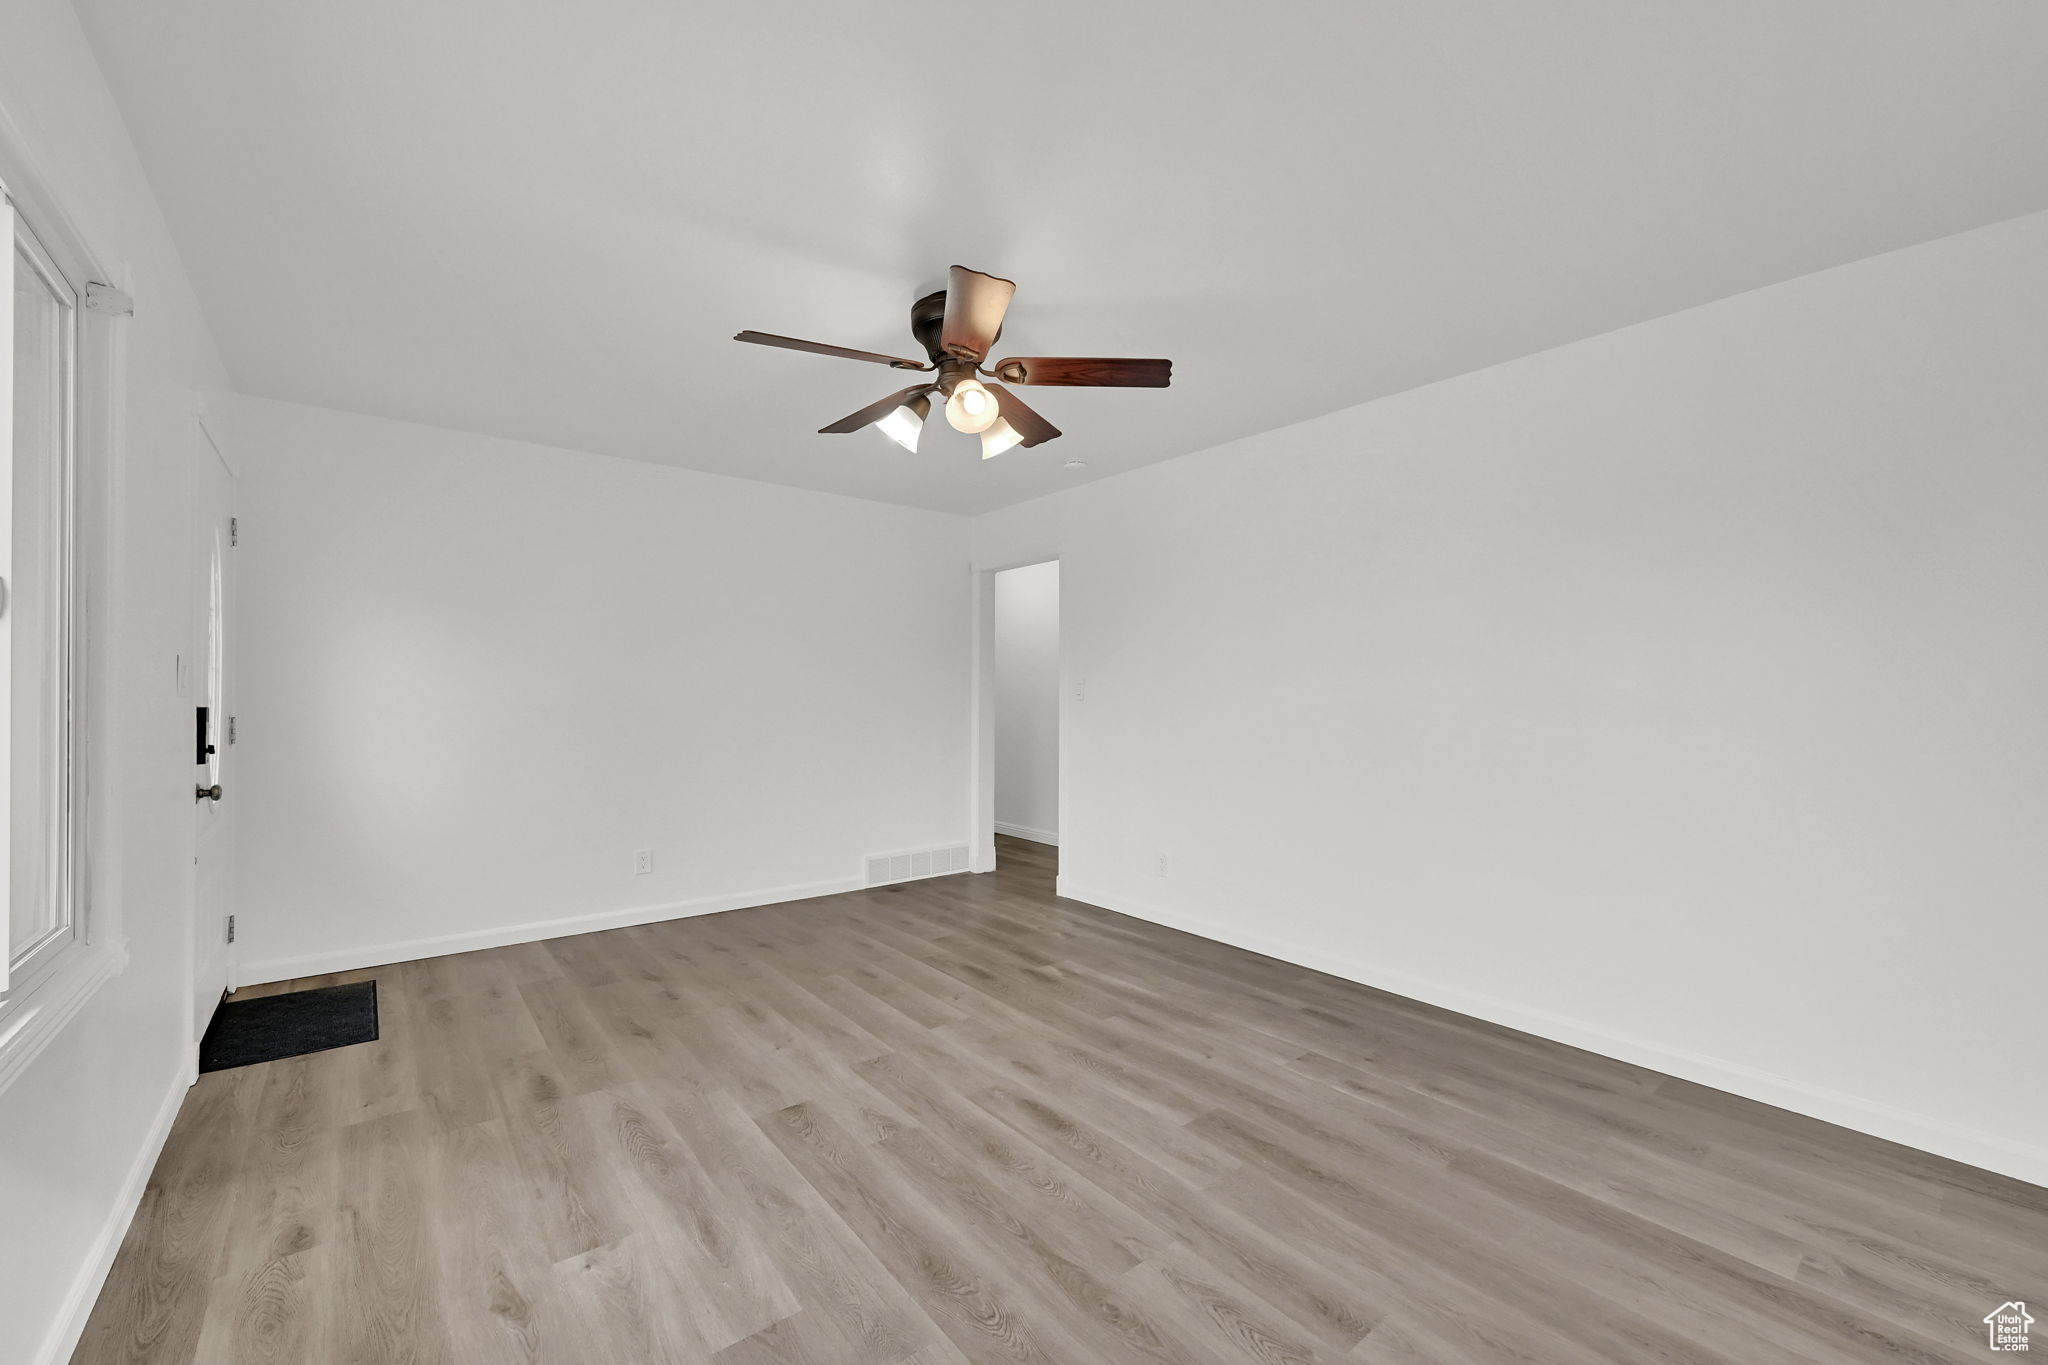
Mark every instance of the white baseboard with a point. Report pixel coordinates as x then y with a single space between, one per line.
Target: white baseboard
92 1277
2022 1161
379 954
1036 836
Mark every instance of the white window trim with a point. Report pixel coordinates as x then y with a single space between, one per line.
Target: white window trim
62 940
35 1007
32 1023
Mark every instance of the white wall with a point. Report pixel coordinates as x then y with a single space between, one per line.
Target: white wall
79 1128
1027 700
477 675
1678 693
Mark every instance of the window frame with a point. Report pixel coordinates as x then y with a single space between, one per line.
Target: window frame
29 970
41 995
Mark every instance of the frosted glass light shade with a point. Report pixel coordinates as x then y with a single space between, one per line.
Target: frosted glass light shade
999 438
906 424
972 408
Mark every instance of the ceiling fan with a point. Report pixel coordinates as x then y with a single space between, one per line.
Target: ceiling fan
957 326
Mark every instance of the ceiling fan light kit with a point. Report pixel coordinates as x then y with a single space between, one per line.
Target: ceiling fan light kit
956 327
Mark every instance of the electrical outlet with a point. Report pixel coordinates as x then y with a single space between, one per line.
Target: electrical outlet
1080 688
643 862
1162 864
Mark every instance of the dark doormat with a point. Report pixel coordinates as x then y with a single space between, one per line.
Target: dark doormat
245 1032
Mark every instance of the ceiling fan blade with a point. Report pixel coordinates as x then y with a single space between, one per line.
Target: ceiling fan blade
975 304
1034 429
819 347
874 412
1077 371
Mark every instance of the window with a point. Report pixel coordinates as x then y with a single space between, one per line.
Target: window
36 610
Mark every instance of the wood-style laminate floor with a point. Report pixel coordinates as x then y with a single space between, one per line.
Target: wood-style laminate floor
961 1120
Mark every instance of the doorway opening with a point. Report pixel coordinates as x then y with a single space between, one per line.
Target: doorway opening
1025 673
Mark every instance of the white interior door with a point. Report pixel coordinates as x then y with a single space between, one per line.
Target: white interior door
211 662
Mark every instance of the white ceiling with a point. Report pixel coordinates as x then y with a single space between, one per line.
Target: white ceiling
546 220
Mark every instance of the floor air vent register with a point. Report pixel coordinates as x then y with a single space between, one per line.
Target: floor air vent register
884 868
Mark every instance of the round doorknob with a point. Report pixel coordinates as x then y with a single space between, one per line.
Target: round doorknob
208 793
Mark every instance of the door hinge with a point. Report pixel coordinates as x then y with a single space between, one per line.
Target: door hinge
234 530
231 729
231 928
